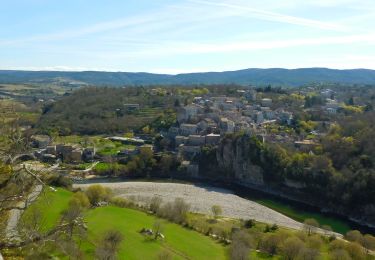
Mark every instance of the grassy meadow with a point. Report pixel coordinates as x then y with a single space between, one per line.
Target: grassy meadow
182 243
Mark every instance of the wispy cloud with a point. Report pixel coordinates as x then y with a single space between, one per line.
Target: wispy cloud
183 48
246 10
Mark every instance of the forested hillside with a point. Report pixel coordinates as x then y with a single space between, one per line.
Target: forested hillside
276 76
104 110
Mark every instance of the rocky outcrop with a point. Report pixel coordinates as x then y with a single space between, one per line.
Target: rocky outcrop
233 157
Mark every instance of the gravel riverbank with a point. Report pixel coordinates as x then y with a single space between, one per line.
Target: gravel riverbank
201 199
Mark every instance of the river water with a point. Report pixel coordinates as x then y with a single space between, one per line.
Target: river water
293 209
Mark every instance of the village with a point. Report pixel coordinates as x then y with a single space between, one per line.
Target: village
203 122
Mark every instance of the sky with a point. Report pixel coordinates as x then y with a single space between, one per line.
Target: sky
180 36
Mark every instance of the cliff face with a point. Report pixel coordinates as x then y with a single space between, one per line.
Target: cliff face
233 157
237 159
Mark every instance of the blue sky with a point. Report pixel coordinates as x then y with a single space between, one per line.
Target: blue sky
166 36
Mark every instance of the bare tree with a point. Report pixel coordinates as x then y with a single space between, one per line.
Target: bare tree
310 225
242 242
368 242
354 236
17 189
339 254
308 254
109 246
157 228
216 211
292 247
155 203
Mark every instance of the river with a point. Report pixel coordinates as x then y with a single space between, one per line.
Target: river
247 201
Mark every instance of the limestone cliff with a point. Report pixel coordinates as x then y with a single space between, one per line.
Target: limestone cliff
233 157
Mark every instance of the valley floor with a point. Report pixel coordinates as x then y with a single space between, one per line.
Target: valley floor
201 199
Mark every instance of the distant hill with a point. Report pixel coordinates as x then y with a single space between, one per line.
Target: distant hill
275 76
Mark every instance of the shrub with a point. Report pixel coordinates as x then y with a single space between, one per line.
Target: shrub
97 193
242 242
354 236
80 199
249 223
58 180
339 254
274 227
309 254
314 241
121 202
155 204
355 251
368 242
336 245
109 245
216 211
291 247
271 243
176 211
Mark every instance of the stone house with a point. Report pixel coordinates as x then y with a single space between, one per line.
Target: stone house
40 141
196 140
188 129
226 125
181 140
266 102
212 139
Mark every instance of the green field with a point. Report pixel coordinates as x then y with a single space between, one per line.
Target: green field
102 145
300 215
51 204
182 243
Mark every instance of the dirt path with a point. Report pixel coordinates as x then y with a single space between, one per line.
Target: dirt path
11 231
15 214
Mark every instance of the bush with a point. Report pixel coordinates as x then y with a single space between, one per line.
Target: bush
355 251
109 245
354 236
271 243
242 242
97 193
216 211
249 223
121 202
336 245
314 241
80 199
309 253
339 254
155 204
176 211
58 180
291 247
274 227
368 242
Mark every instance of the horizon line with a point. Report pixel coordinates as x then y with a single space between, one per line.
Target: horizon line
159 72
